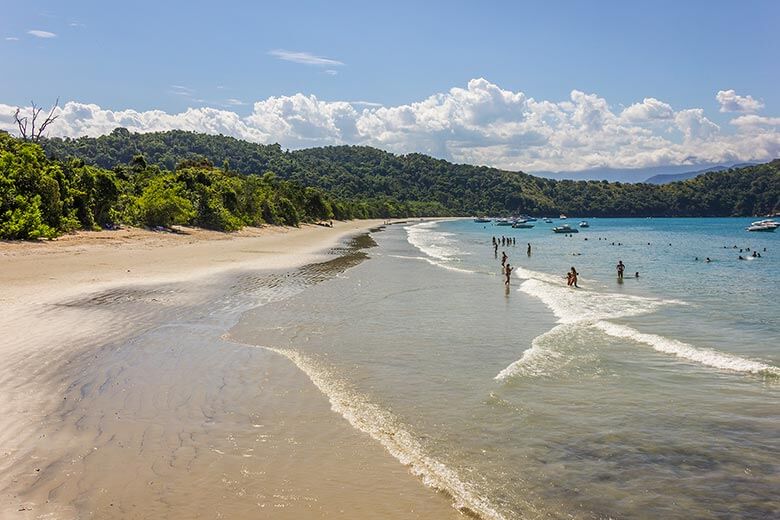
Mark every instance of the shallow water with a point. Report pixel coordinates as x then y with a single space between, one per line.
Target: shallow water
652 398
162 416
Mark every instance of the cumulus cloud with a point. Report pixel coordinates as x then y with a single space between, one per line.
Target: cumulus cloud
650 109
41 34
480 123
305 58
730 101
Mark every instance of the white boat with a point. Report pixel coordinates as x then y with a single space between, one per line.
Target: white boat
763 225
562 216
584 224
565 228
547 221
503 222
482 220
522 225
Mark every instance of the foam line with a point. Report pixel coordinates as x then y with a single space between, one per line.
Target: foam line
682 350
399 442
535 359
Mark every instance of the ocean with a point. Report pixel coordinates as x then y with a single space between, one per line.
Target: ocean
652 397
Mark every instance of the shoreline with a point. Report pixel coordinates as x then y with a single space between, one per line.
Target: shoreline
84 337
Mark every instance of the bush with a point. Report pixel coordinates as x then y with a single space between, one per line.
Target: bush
161 204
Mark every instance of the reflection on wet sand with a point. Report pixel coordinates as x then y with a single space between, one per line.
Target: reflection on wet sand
159 417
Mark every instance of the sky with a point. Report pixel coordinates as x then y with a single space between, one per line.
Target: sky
532 86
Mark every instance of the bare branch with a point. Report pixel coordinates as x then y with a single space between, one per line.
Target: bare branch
21 123
34 134
49 119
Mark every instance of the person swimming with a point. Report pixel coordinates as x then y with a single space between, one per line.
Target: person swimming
636 274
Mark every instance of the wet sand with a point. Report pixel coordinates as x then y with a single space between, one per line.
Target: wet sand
121 399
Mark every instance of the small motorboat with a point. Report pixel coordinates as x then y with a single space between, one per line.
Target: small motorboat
562 216
565 229
763 225
522 225
584 223
504 222
547 221
528 218
482 220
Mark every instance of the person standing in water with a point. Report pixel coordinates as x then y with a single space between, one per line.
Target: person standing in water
620 269
504 258
574 275
507 273
529 249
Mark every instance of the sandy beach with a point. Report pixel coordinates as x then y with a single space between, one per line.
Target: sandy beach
121 398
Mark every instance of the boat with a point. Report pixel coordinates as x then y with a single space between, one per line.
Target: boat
528 218
482 220
767 225
562 216
584 224
565 229
547 221
522 225
503 222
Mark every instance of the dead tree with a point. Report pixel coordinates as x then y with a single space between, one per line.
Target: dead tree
35 134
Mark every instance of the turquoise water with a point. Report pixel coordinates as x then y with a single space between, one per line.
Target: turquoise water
656 397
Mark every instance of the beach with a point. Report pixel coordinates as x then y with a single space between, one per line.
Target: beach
123 397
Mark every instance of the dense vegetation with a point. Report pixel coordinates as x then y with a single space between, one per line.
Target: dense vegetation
42 197
165 178
437 187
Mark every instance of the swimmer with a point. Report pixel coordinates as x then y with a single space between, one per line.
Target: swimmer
636 274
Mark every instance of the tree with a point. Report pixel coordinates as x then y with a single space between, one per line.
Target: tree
34 134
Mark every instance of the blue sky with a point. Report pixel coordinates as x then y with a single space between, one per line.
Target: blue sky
173 56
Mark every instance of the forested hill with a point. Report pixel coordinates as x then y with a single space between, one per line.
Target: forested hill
364 173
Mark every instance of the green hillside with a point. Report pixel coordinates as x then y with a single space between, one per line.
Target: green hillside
359 173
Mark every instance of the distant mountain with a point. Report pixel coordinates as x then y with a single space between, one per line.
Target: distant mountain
666 178
614 174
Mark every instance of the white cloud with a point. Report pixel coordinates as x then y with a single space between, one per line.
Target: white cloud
234 102
480 123
182 90
731 102
331 72
305 58
650 109
41 34
11 39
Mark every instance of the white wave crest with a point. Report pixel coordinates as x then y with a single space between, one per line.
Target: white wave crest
536 360
574 306
584 308
435 244
398 441
707 357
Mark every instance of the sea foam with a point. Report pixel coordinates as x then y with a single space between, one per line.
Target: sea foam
584 308
704 356
384 427
436 244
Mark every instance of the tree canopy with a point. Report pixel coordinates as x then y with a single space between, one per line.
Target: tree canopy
165 178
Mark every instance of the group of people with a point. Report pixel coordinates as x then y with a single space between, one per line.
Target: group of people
503 241
571 276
